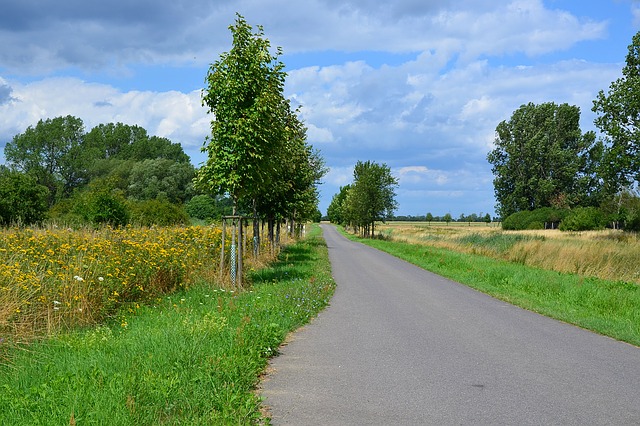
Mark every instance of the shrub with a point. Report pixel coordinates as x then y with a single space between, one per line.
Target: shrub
157 212
202 207
583 219
546 217
22 200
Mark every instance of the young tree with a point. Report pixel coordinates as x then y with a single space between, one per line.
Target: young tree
541 156
429 218
372 195
244 95
619 119
336 209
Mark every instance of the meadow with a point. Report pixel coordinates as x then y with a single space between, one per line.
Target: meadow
191 356
609 254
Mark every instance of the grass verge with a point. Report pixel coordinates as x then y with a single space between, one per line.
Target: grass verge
193 358
607 307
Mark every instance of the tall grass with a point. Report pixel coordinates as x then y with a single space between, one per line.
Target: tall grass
609 307
192 358
609 255
55 279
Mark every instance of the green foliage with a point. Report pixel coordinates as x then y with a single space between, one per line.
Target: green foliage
371 197
583 219
542 159
546 217
52 153
202 207
244 95
619 119
105 207
337 208
161 178
22 200
157 212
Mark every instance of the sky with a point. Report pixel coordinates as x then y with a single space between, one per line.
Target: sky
419 85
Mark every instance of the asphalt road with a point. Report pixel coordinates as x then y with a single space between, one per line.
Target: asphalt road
401 346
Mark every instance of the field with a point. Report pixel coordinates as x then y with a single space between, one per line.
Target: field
190 356
610 255
55 279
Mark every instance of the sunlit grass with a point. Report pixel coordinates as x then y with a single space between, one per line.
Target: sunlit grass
610 254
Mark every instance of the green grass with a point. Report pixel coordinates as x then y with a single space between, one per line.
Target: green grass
192 359
606 307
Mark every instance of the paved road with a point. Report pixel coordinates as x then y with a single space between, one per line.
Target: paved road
401 346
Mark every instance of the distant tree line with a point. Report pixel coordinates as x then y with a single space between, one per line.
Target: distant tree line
548 173
473 218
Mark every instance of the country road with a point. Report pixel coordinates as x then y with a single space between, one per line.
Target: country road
401 346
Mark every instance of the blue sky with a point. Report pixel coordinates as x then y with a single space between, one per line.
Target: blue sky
418 85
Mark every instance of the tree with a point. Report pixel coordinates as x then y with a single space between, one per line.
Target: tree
50 152
244 95
447 218
541 156
161 179
619 119
371 197
429 218
22 200
336 209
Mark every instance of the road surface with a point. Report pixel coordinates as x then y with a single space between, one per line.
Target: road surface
401 346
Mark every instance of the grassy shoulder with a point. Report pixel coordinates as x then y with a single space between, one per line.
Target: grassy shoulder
607 307
194 358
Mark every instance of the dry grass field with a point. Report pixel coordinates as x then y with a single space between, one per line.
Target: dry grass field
609 254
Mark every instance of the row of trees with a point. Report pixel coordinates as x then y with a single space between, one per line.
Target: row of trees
542 159
370 198
257 150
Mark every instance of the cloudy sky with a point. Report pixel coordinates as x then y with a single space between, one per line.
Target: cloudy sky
417 84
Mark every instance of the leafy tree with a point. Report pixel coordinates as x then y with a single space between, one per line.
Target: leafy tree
22 200
336 209
541 156
447 218
429 218
205 207
619 119
161 178
50 152
371 197
244 95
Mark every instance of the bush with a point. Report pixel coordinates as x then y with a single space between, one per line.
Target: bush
583 219
546 217
22 200
202 207
157 212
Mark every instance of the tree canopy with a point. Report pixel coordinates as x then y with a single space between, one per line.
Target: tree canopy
541 159
619 120
370 198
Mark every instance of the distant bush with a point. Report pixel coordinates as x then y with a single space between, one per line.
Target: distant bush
202 207
157 212
546 217
583 219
